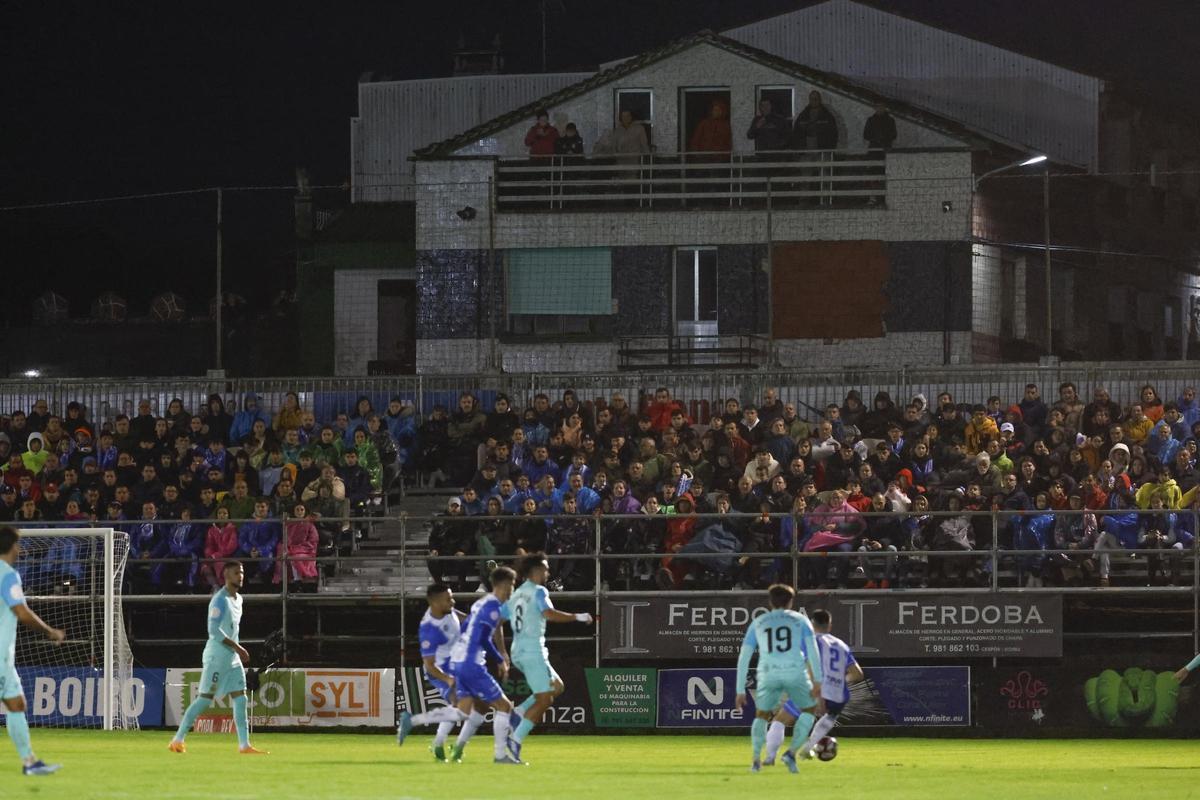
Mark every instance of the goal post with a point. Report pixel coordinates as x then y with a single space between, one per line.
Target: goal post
72 578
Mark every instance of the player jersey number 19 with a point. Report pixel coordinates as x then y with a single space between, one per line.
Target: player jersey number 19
779 640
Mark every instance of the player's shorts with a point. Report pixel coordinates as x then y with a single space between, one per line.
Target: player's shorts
831 708
773 688
223 678
10 681
445 690
538 673
474 681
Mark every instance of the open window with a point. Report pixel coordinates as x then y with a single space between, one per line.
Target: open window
783 99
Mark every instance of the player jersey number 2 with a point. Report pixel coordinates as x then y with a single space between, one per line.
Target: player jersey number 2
518 618
779 640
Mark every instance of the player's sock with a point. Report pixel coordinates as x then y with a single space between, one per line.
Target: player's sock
469 727
198 707
824 725
443 733
18 731
523 729
444 714
525 705
240 722
500 731
803 723
758 736
774 739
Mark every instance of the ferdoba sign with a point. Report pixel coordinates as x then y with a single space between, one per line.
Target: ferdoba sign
881 625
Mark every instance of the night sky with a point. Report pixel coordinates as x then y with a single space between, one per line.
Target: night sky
109 99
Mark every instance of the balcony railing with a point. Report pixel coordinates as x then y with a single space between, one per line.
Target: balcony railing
718 351
673 181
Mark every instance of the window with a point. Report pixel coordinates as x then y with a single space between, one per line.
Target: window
782 99
559 290
640 103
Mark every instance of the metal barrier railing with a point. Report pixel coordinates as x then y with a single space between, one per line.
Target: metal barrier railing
671 180
811 390
995 558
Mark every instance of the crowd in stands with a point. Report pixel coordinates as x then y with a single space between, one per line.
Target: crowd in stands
716 502
889 483
256 482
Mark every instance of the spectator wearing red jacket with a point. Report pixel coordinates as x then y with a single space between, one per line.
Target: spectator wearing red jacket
660 410
542 136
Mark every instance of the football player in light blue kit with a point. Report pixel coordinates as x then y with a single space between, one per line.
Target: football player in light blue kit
224 661
527 611
840 670
439 630
1183 673
788 665
468 665
12 611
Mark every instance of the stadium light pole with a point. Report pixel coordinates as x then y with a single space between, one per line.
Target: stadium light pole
1029 162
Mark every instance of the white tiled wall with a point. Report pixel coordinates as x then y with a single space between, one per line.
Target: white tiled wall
356 316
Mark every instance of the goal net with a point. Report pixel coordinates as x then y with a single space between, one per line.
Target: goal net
72 579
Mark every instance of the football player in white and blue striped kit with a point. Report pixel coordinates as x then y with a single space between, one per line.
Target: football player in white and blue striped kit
13 609
840 670
439 630
468 664
787 665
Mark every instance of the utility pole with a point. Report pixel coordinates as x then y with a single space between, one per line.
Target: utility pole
220 265
1049 282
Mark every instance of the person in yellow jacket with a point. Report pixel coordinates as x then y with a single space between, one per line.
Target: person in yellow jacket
979 430
1137 426
1164 487
35 456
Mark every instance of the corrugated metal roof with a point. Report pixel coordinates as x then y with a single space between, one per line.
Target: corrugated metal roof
1009 95
397 117
827 80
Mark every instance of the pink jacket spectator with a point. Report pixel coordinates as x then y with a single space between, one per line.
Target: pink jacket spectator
302 541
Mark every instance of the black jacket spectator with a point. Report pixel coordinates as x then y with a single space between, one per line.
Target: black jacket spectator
880 130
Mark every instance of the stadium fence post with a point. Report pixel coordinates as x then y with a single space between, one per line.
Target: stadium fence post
795 557
108 681
403 580
285 579
995 552
598 589
1195 585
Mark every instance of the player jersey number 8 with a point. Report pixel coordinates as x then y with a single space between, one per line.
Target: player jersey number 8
518 621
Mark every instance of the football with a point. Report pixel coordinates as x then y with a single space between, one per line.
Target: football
827 749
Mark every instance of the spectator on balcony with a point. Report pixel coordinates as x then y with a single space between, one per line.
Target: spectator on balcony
879 132
712 134
815 127
768 130
290 415
627 139
303 542
541 137
570 143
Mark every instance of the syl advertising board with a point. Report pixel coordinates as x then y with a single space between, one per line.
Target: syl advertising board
297 697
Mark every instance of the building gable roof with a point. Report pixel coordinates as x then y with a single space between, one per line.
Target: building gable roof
826 80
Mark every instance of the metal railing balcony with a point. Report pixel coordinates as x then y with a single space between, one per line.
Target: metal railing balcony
674 181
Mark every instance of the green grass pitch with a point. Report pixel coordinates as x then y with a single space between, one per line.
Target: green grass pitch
101 765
